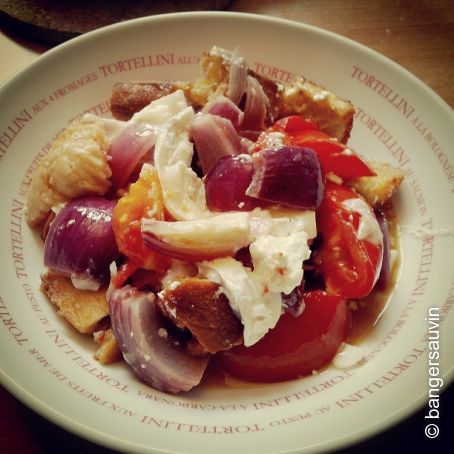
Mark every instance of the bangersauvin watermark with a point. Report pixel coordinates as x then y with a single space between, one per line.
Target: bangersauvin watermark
435 382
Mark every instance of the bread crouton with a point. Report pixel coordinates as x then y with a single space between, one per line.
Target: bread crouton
108 351
379 188
84 309
75 165
214 81
333 115
127 98
197 304
302 97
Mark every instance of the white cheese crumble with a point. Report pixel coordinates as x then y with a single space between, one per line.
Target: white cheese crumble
287 220
154 115
258 309
278 260
178 271
331 176
321 95
85 283
174 285
278 250
368 228
183 191
158 112
57 208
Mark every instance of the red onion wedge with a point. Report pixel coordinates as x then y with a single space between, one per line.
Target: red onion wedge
202 239
255 107
385 271
80 242
226 184
289 175
148 345
214 137
225 108
238 74
128 149
294 301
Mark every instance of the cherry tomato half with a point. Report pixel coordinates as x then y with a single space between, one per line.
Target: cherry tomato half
351 253
296 346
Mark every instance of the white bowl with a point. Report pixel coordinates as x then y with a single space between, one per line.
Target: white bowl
400 120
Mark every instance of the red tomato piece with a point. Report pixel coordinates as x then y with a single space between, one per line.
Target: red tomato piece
333 155
296 346
350 265
124 272
143 199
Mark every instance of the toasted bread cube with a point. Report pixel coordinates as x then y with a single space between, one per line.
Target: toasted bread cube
310 100
215 81
197 304
84 309
378 189
108 351
76 165
127 98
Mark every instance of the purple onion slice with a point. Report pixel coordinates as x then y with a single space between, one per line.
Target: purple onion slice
289 175
214 137
226 184
255 107
155 355
128 149
81 242
225 108
385 271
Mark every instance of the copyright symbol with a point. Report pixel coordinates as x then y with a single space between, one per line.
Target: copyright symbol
431 431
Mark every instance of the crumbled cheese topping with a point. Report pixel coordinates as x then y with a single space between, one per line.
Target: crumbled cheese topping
174 285
183 191
368 228
278 250
278 260
258 309
178 271
321 95
85 283
334 178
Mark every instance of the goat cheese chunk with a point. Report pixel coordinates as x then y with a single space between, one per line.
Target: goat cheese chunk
278 251
256 307
368 228
183 191
278 261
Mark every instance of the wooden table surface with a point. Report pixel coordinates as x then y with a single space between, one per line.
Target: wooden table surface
419 35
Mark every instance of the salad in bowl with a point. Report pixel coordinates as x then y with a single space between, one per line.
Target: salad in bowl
218 224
